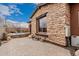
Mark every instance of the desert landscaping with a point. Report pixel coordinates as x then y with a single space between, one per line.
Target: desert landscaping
43 29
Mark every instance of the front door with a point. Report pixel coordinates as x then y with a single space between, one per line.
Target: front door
74 22
74 19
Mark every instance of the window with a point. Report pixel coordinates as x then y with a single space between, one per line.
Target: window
42 23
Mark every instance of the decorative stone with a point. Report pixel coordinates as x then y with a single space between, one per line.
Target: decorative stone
58 14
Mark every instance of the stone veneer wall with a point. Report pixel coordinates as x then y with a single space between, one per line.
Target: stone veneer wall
58 15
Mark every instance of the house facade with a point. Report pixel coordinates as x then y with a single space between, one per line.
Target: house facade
55 22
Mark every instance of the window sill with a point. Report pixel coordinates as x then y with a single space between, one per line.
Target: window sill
42 34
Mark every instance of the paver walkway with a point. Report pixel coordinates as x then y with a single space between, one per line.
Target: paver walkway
29 47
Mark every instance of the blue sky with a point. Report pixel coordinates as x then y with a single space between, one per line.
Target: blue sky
19 12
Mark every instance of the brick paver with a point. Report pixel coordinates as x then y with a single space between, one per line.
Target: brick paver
29 47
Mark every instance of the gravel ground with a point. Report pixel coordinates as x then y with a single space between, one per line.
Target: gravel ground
29 47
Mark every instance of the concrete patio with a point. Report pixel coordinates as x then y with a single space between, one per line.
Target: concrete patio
28 47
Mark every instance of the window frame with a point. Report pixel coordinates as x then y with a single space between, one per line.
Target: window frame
38 24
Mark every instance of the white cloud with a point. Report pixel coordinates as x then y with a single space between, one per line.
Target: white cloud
12 6
8 10
17 24
24 25
2 16
4 10
11 21
14 9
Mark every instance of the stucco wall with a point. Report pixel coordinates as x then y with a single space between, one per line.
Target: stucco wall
58 15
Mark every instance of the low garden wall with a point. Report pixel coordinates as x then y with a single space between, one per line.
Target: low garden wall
18 35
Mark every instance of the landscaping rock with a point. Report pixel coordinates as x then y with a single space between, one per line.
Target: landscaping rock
77 53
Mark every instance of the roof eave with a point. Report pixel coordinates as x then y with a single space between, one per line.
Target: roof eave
39 5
